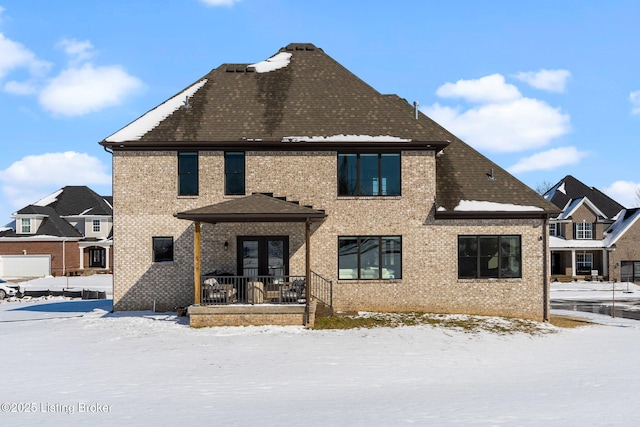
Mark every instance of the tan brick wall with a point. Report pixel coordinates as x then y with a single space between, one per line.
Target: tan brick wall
627 249
145 188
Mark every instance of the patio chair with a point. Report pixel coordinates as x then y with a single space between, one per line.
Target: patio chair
293 293
216 293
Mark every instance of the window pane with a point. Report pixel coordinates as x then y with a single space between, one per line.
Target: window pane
162 249
234 173
347 175
467 256
489 261
188 174
369 185
347 258
391 258
369 258
510 264
390 185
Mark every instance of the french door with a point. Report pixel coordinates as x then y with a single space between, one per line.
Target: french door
263 256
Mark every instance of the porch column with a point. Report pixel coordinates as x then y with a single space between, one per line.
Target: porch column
573 262
605 264
81 258
196 263
106 254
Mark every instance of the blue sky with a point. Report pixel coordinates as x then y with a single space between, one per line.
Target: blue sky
545 89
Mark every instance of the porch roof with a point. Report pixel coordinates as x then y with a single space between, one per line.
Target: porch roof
257 207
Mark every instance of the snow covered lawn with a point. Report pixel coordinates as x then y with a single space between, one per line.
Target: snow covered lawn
147 368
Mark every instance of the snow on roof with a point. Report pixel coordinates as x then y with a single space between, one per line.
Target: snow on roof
620 226
85 212
345 138
276 62
475 205
107 202
46 201
559 242
562 189
136 129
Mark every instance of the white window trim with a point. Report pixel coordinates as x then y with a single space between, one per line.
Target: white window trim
93 225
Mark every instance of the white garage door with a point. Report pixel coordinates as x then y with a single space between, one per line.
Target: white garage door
25 265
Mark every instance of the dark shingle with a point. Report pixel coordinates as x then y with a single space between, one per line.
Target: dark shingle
575 189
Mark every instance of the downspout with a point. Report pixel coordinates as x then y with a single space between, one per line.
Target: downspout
545 269
307 273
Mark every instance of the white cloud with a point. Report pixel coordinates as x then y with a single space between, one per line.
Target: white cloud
491 88
548 160
624 192
220 2
14 55
28 179
77 50
81 90
549 80
21 88
504 121
634 97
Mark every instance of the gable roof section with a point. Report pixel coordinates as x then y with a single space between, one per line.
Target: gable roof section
76 201
52 224
310 102
256 207
573 205
569 188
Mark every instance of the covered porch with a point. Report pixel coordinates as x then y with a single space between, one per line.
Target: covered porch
579 260
261 290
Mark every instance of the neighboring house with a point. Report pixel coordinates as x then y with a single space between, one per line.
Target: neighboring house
67 232
593 236
392 212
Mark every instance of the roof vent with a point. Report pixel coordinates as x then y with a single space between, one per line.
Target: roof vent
415 108
490 175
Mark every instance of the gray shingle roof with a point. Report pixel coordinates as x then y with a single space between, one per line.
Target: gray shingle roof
575 189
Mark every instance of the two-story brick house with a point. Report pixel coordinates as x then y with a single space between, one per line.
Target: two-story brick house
68 231
392 210
593 236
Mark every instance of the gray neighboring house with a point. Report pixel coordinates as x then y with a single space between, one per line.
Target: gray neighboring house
67 232
594 236
290 181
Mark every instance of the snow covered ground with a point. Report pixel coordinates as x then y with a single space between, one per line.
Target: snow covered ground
71 362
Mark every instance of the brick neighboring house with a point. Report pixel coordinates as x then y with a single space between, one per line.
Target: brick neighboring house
67 232
391 209
593 235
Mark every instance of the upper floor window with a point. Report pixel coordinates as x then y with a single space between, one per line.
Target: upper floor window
96 225
368 174
187 173
489 257
583 230
25 225
234 173
554 229
162 249
370 257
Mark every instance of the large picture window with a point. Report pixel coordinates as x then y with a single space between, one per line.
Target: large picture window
489 257
162 249
188 174
368 174
234 173
369 257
